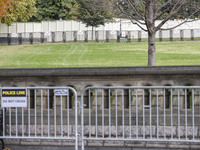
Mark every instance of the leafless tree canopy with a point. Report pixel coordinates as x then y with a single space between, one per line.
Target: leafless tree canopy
146 12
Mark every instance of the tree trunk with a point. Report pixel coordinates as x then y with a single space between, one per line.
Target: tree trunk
151 49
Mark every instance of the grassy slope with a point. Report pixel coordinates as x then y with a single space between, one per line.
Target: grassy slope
96 55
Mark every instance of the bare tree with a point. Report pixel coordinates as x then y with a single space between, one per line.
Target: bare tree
144 13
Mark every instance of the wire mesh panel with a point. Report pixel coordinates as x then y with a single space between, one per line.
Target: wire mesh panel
170 114
50 113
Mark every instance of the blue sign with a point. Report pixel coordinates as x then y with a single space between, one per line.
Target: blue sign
60 92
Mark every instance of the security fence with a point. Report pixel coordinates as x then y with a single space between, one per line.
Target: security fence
167 114
96 36
107 113
46 115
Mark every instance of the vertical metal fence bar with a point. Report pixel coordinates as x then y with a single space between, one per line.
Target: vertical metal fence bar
96 115
186 114
82 121
3 116
89 113
116 129
76 120
16 119
171 114
109 126
35 112
10 123
48 112
199 108
193 114
29 113
41 113
61 116
143 114
150 122
157 114
102 113
164 113
178 114
129 91
123 113
22 122
54 115
136 114
68 115
4 119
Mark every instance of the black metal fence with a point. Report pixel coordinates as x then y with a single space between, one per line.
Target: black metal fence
96 36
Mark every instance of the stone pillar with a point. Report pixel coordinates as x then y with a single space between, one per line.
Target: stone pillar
9 38
31 38
96 36
20 38
53 37
171 35
86 36
64 37
75 36
139 36
42 37
192 34
107 36
181 35
118 37
129 37
160 35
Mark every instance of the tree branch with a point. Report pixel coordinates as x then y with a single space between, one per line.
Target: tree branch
173 12
187 20
135 10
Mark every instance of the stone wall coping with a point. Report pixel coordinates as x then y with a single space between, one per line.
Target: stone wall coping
101 71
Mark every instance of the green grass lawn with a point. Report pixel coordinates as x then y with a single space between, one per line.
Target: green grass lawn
98 54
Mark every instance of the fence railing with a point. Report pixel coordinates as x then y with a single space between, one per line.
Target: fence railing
108 113
47 116
96 36
168 114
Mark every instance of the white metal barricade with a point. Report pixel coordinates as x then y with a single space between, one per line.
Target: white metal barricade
48 115
146 113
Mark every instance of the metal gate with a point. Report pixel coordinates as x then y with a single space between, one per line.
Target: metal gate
146 113
48 114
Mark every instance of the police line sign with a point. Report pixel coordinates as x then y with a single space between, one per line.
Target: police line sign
13 97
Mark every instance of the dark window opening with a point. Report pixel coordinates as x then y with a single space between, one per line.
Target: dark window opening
51 99
146 97
107 95
189 98
167 98
127 96
32 98
88 99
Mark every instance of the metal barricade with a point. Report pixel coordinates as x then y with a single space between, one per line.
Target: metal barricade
49 115
146 114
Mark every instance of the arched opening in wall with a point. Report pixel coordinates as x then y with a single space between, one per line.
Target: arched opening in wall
127 97
51 98
189 98
71 98
167 97
147 97
108 96
88 98
32 98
